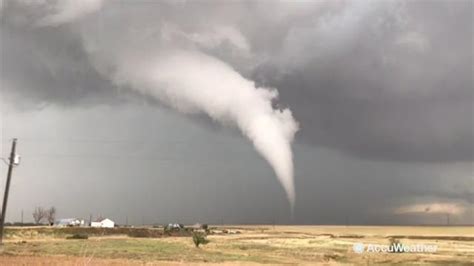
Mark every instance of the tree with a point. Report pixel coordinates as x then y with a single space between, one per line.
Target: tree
51 215
199 238
39 214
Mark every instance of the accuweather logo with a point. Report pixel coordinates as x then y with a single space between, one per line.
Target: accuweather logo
360 248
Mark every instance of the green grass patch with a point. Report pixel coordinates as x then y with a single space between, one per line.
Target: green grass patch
137 249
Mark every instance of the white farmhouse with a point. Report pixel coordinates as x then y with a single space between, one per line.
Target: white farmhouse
104 223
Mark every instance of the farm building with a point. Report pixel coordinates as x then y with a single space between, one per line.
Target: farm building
104 223
174 226
69 222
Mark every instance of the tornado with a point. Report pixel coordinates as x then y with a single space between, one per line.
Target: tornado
193 82
189 81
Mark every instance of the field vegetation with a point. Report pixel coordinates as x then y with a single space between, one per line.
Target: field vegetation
234 245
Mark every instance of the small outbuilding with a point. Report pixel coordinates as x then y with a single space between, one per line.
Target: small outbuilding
103 223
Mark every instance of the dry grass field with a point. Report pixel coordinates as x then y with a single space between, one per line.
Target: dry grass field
239 245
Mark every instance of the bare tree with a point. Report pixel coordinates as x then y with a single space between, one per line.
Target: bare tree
51 215
39 214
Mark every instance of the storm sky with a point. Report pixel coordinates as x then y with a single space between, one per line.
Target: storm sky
381 91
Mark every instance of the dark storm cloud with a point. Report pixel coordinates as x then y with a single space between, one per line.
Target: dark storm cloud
401 87
380 80
49 65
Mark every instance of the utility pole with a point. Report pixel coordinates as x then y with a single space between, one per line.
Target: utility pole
21 217
7 188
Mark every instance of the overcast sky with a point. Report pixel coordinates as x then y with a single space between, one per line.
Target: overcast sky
144 109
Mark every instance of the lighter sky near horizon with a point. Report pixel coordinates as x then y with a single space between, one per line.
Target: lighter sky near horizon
382 92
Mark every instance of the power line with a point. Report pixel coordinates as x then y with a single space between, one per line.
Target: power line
132 141
58 155
188 161
93 140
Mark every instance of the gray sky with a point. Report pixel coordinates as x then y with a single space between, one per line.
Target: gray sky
382 91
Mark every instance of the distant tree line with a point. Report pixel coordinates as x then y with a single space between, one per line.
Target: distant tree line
41 214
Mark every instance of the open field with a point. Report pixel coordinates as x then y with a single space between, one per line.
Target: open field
241 245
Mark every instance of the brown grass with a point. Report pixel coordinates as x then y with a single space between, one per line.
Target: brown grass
248 245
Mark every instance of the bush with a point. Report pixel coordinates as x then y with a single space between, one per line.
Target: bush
205 227
199 238
78 236
395 246
145 232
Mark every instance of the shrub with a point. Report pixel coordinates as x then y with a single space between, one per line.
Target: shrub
78 236
395 246
139 233
199 238
205 227
145 232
